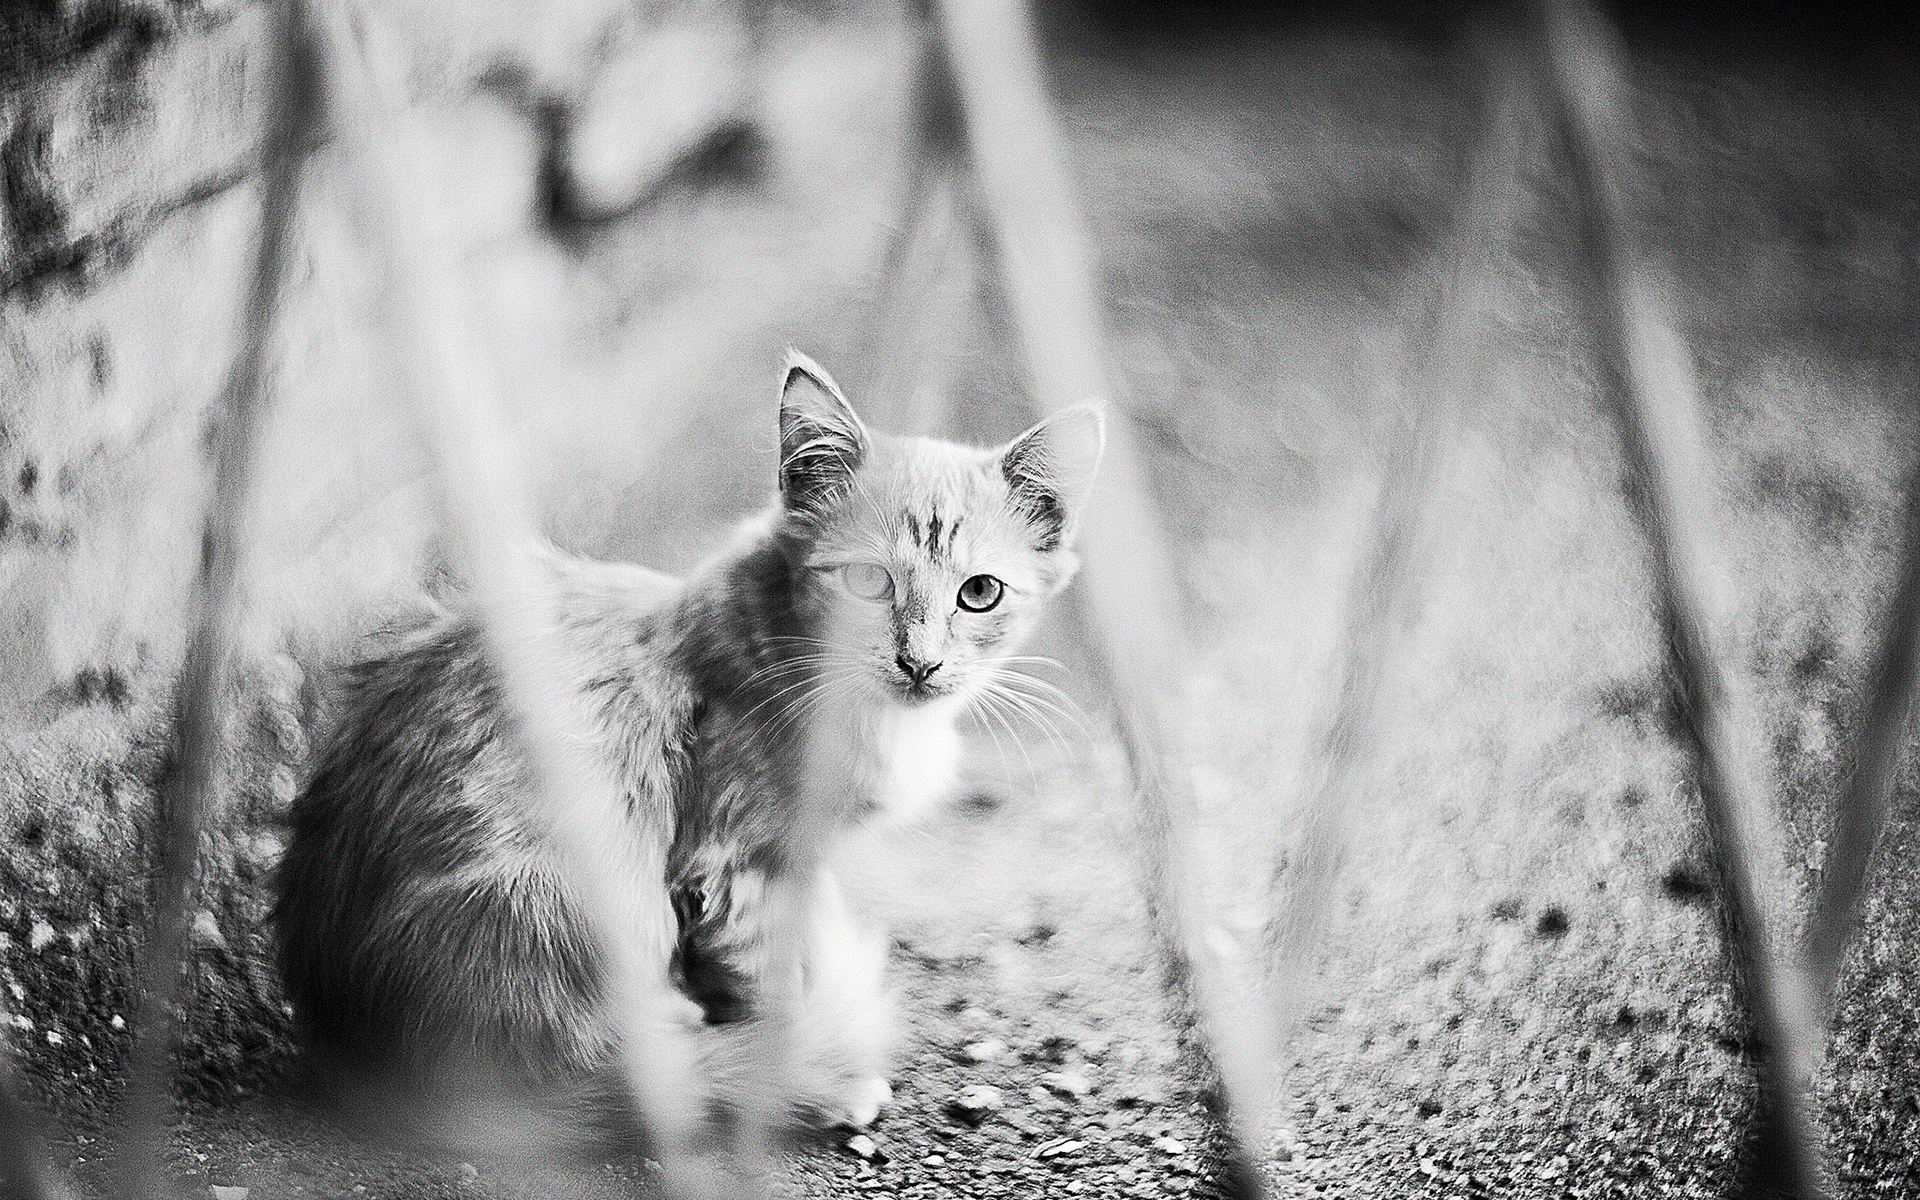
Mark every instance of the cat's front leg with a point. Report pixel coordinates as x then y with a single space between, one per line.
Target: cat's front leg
846 1024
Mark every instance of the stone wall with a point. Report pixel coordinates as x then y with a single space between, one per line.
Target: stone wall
645 203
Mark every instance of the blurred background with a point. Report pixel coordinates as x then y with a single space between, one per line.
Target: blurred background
647 202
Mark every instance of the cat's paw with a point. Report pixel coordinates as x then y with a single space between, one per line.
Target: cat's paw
864 1100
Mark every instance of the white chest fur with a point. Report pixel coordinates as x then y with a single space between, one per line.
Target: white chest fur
894 761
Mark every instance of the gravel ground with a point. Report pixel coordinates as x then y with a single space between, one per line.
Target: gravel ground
1522 997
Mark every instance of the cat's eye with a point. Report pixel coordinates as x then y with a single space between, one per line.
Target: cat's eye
869 581
981 593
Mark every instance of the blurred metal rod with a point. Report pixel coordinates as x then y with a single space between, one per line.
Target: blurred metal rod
26 1171
187 796
1649 379
1130 602
1383 596
914 310
486 513
1862 816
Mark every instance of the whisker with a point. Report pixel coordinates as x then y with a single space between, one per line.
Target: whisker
834 685
991 700
1039 660
1050 699
1055 699
1025 707
999 747
811 678
784 667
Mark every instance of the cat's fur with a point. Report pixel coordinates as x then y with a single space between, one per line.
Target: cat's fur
424 923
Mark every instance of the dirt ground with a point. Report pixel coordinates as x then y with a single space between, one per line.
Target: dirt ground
1522 996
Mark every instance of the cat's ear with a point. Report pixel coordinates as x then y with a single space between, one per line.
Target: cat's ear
1051 468
822 442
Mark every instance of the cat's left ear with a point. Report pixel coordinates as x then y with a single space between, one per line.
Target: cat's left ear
822 442
1051 468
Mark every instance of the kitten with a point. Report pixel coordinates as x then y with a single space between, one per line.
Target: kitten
427 936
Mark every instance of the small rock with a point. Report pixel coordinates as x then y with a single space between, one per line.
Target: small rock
1141 1093
266 849
228 1193
1169 1145
934 1160
54 1038
206 931
985 1050
1056 1149
1038 933
1068 1083
976 1104
468 1172
862 1145
40 936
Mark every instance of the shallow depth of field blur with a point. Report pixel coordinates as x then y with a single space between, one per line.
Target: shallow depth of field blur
1522 994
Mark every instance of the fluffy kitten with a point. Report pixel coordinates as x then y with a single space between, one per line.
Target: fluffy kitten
426 932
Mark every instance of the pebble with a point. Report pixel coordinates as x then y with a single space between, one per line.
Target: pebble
934 1160
206 931
468 1172
977 1103
985 1050
1141 1093
1169 1145
862 1145
1068 1083
228 1193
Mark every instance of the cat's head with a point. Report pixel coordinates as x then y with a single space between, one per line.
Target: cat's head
931 561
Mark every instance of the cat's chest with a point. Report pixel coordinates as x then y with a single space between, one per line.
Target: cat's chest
900 762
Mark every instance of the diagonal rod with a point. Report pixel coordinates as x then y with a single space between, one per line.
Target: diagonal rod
26 1171
1649 377
187 795
1383 594
486 511
929 254
1128 594
1864 807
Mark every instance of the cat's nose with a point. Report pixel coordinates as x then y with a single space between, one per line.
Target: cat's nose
915 670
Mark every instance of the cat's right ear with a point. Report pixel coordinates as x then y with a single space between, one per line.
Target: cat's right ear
822 442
